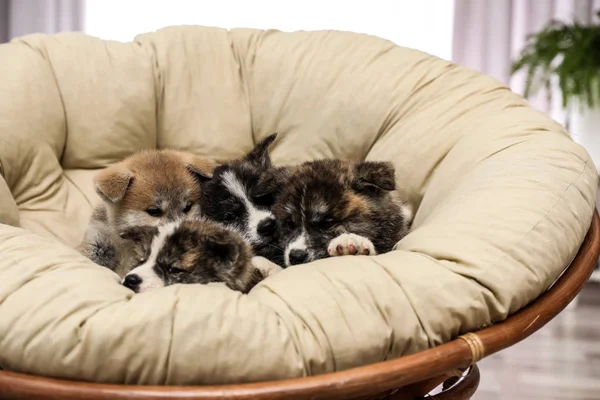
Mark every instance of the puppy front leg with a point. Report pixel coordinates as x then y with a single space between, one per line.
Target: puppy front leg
350 244
266 267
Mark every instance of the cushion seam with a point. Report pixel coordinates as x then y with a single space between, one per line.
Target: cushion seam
149 48
244 81
60 96
66 177
561 197
407 298
282 322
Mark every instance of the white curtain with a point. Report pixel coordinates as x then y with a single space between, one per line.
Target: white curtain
22 17
489 34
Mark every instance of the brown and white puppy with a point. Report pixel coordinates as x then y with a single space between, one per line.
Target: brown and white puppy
336 207
195 250
145 189
241 195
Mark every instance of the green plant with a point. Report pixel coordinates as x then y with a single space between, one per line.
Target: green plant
569 51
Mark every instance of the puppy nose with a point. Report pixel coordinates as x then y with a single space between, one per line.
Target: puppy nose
132 281
267 227
298 256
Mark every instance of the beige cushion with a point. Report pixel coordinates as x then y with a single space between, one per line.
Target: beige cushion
504 200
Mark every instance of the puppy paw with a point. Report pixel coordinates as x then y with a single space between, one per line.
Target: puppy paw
266 267
351 244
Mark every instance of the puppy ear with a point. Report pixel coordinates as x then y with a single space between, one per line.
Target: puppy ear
260 153
375 175
139 233
201 176
272 182
200 167
112 183
142 237
220 248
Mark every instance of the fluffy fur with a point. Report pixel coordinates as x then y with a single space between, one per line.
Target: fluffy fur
145 189
335 207
241 195
194 250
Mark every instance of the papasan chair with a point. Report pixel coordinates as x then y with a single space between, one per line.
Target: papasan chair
504 236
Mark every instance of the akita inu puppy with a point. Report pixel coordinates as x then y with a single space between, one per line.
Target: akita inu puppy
241 196
195 250
147 188
334 207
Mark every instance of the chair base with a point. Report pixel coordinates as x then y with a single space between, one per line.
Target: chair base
461 387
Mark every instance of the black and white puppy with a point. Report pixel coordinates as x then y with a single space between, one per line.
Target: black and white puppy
191 251
334 207
241 194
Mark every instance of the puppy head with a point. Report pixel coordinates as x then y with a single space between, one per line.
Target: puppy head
154 186
241 195
192 251
326 198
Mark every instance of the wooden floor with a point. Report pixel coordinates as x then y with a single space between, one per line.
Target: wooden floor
560 361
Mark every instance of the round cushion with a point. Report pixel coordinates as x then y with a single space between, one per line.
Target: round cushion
504 198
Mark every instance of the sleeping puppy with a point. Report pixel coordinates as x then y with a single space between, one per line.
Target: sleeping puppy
147 188
335 207
195 250
241 194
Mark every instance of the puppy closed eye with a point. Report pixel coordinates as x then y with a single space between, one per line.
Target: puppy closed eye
154 212
232 212
229 216
288 223
187 207
174 270
328 222
171 269
264 199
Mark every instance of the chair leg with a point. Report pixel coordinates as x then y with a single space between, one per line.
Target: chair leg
464 389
